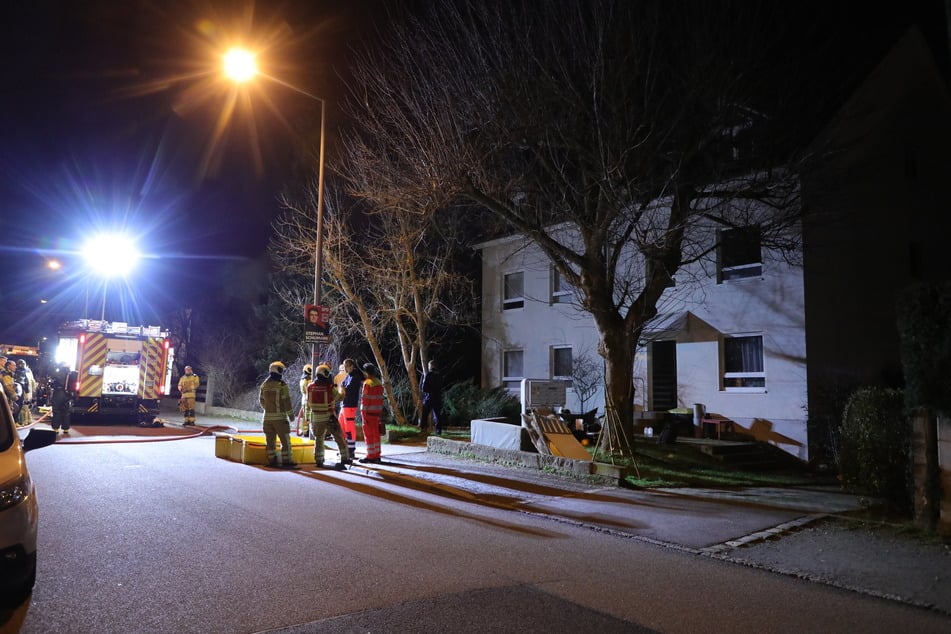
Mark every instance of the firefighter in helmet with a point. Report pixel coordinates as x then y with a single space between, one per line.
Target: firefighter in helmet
188 386
275 399
321 397
303 425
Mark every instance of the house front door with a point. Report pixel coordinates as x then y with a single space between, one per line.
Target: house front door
662 359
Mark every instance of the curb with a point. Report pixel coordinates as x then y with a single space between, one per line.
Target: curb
596 472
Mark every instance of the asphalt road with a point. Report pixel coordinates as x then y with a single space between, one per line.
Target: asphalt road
164 537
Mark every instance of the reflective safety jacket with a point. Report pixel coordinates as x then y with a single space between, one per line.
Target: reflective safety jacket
320 399
371 400
275 399
188 385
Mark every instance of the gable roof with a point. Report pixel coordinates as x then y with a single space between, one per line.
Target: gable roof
906 73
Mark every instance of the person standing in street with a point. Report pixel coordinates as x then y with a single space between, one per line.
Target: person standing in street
432 399
303 426
11 388
275 399
24 376
321 397
371 410
188 386
61 399
350 404
339 378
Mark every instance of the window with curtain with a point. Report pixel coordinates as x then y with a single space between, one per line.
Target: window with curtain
743 363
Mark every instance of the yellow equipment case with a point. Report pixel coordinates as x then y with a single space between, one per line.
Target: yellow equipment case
251 448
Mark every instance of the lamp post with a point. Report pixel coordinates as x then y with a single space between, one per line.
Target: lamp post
240 66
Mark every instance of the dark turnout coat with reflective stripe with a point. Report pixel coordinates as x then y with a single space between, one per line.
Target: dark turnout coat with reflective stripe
275 399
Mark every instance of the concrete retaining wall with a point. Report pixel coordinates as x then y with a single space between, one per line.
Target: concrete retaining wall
582 469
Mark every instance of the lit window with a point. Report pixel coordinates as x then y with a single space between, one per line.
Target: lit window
743 364
560 289
513 290
512 369
740 254
561 363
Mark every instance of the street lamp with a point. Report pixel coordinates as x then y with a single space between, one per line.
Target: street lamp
240 65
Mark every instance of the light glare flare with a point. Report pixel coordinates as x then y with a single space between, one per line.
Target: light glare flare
111 255
240 65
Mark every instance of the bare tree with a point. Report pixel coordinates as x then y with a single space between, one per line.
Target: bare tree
222 356
391 269
617 135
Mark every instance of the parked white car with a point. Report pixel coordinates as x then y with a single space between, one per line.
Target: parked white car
18 509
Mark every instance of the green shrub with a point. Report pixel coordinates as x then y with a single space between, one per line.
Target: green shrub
875 451
463 402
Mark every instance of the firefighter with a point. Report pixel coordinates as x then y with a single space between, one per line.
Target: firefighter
275 399
61 399
188 386
371 410
11 387
321 398
302 422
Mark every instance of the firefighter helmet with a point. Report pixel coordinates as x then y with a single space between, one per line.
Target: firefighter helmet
307 369
277 368
323 370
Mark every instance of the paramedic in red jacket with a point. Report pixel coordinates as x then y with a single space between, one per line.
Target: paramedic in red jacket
371 410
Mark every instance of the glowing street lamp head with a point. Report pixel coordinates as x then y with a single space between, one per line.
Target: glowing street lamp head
240 65
111 255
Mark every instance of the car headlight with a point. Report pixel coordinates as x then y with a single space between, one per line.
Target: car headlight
12 493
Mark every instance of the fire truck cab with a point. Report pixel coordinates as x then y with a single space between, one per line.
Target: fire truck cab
119 372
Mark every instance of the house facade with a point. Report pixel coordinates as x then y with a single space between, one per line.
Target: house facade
748 335
731 339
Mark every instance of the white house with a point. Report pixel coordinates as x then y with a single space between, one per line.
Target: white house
751 337
732 339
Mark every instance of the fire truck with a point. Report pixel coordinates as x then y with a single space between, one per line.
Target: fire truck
15 352
120 371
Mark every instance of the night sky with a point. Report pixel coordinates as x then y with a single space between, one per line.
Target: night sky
108 118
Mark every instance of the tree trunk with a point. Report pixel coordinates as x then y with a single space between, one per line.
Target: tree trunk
617 435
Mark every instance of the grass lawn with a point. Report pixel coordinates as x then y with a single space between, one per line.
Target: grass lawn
684 465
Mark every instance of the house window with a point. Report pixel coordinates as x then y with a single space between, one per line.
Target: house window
513 290
512 369
560 289
743 364
740 254
561 363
